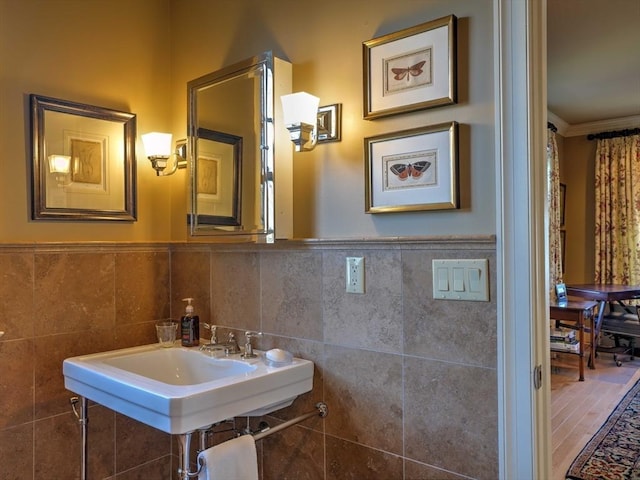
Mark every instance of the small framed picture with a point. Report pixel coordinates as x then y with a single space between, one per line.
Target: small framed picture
412 170
411 69
561 292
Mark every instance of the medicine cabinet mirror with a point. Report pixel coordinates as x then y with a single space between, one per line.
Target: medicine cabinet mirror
230 148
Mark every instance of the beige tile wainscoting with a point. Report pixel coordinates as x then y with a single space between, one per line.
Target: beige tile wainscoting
410 381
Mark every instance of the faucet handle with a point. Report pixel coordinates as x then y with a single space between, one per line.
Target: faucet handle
248 348
213 328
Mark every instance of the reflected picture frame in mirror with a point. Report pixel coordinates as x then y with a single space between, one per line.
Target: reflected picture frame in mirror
218 170
82 161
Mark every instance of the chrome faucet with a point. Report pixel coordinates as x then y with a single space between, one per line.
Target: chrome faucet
232 344
229 347
213 342
248 348
213 329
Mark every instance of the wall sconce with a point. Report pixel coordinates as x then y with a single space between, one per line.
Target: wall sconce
308 124
157 146
60 166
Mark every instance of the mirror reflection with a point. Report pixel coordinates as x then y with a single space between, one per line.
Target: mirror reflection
230 125
218 187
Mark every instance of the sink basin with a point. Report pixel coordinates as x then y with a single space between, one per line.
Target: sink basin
178 390
176 366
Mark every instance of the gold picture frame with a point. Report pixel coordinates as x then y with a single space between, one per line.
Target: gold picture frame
412 69
412 170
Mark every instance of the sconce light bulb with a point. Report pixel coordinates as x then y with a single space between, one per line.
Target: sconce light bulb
59 163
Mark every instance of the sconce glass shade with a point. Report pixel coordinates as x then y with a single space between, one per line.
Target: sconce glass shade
300 107
59 164
300 116
157 145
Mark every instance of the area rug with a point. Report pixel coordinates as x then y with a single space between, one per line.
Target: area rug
614 451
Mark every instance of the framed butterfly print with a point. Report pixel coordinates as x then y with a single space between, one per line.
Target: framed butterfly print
411 69
412 170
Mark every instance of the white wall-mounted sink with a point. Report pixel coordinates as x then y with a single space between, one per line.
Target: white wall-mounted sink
178 390
175 366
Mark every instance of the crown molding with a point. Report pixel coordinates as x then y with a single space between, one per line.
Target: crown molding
560 124
567 130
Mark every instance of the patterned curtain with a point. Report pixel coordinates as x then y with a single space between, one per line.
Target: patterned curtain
617 192
555 244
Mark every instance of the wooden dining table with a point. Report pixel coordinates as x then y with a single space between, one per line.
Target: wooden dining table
603 294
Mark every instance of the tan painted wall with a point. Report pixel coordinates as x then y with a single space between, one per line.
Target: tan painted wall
577 172
109 53
324 43
138 56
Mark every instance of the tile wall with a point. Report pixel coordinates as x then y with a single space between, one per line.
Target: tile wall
57 302
410 382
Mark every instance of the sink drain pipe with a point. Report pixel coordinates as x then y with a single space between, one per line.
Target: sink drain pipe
83 420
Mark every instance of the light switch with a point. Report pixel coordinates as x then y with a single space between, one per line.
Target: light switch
458 279
464 279
474 280
443 279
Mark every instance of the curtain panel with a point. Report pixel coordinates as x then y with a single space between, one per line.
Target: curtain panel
553 199
617 216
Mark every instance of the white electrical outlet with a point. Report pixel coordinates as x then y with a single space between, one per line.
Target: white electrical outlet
355 275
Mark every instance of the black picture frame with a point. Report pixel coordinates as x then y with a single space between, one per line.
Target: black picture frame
98 144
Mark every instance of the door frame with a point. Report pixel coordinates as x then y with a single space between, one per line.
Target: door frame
522 245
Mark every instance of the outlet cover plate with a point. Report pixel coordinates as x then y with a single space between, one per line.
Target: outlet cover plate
355 275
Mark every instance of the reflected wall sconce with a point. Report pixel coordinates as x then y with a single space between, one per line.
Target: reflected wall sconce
308 124
60 166
157 147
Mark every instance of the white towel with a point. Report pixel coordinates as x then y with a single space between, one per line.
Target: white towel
232 460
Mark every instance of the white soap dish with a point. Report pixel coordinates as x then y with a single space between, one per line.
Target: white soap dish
277 357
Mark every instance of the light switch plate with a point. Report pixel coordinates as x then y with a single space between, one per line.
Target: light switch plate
464 279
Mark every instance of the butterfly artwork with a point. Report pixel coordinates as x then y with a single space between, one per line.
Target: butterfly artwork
409 170
412 71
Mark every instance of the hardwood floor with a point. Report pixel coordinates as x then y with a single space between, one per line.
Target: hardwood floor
578 409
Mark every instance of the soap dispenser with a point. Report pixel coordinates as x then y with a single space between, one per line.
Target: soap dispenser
189 326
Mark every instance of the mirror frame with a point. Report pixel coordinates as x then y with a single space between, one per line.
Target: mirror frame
40 105
212 225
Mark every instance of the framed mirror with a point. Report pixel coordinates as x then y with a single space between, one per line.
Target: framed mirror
83 160
230 145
